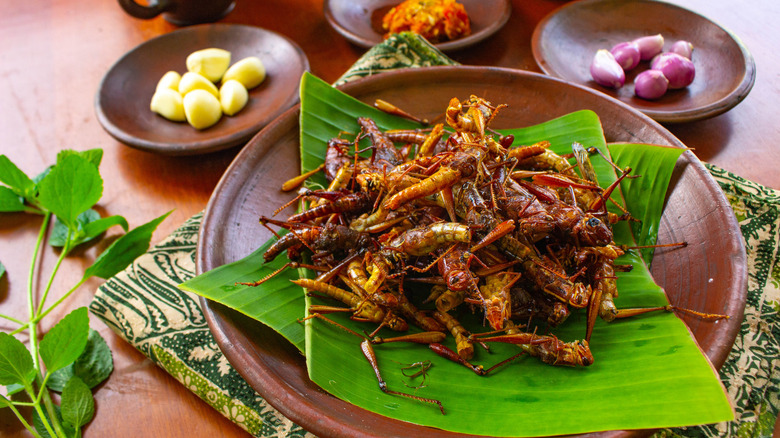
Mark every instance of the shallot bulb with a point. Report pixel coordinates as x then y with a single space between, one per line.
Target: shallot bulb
678 70
626 54
682 48
606 71
649 46
650 84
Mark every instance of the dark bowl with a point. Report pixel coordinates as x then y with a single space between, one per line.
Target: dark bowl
360 22
122 100
565 42
711 277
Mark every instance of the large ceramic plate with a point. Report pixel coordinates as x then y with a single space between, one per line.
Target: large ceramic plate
709 276
360 22
565 41
122 101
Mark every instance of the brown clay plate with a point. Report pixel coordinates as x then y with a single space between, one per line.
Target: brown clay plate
710 276
122 100
565 42
360 22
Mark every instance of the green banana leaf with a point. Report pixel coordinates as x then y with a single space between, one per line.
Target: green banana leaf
648 371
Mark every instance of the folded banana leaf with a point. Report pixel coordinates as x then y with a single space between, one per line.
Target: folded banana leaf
648 370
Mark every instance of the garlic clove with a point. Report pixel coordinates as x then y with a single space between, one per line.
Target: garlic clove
650 84
169 80
168 103
606 71
626 54
201 108
210 63
249 71
679 70
233 97
649 46
193 81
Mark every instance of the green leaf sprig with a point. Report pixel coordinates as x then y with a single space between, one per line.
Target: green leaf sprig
71 358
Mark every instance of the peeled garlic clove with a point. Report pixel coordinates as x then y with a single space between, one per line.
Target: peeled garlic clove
650 84
626 54
233 97
682 48
606 71
249 71
194 81
201 108
678 69
209 63
649 46
169 80
168 103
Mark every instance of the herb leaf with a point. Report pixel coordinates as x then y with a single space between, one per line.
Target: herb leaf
94 156
94 228
9 200
126 249
16 364
17 180
92 367
78 405
65 341
2 269
70 188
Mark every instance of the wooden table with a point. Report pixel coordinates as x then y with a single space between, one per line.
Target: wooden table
53 55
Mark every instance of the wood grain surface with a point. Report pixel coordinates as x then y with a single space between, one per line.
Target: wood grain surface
53 55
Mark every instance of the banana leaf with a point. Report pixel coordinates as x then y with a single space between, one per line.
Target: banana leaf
648 371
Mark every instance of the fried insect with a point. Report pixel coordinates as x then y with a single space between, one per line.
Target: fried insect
469 224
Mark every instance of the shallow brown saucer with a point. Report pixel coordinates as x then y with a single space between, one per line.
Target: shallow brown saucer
565 42
122 100
360 21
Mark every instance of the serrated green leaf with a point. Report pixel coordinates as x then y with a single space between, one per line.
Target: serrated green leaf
16 364
124 250
13 389
93 366
65 342
71 187
95 228
648 371
89 226
94 156
78 405
10 201
59 233
12 176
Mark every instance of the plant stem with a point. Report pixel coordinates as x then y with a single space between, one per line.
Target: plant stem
63 253
38 409
41 315
32 326
22 420
12 319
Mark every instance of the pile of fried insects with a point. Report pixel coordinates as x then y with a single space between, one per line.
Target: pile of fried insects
514 233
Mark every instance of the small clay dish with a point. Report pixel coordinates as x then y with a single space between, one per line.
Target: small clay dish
122 100
360 21
565 42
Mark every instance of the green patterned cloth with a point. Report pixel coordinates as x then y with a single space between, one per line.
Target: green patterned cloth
144 306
